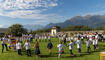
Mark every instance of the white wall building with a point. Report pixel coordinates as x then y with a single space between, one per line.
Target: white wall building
53 31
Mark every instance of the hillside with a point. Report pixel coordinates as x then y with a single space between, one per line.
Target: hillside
88 20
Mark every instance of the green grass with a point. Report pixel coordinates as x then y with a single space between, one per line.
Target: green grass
10 55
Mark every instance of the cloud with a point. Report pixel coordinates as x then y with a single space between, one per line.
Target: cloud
26 4
49 18
29 9
1 26
94 13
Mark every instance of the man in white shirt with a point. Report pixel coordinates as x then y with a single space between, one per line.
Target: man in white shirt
4 43
71 47
79 45
18 47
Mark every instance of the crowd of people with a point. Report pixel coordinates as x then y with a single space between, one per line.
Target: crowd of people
79 39
17 43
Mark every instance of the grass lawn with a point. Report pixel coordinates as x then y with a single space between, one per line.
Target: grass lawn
10 55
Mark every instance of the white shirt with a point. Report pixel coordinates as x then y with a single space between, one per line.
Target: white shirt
39 37
75 39
18 45
48 37
78 44
45 37
27 45
90 39
60 46
82 37
96 36
72 38
94 42
71 45
4 40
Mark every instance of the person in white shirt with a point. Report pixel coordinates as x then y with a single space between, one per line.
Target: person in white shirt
88 43
60 47
9 43
42 38
97 36
94 43
4 43
75 40
82 39
39 38
27 45
71 47
79 45
49 37
18 47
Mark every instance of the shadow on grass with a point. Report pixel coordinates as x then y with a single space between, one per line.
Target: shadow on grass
46 56
79 55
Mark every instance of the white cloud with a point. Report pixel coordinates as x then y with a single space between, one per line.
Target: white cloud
27 4
29 9
1 26
93 13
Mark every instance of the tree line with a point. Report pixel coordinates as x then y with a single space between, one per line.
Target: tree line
18 29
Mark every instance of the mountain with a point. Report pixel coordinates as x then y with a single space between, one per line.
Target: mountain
88 20
33 27
3 30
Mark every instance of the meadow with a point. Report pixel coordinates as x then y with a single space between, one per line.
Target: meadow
11 55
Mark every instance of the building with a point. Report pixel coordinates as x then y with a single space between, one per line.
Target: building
54 30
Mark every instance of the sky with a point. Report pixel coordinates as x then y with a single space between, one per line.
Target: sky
43 12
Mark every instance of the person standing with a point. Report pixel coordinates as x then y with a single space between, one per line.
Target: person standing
19 47
88 43
71 47
64 40
4 43
79 45
37 50
94 43
28 45
60 47
49 46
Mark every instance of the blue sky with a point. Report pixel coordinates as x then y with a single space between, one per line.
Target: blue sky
43 12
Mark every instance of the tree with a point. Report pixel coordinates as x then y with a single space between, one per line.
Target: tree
100 28
77 28
47 30
16 30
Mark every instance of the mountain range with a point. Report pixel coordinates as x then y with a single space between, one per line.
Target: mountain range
88 20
